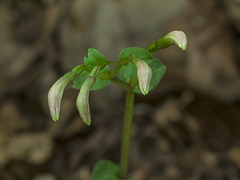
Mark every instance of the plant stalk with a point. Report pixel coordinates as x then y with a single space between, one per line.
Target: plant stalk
121 83
126 138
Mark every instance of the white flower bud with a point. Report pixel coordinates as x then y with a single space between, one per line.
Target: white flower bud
83 96
55 94
179 38
144 74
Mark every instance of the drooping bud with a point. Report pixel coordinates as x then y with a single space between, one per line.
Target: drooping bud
179 38
55 94
144 74
83 96
175 37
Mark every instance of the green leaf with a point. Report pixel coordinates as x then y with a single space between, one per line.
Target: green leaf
95 58
106 170
99 84
175 37
128 52
129 71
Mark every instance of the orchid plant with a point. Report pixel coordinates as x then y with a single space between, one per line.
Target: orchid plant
137 71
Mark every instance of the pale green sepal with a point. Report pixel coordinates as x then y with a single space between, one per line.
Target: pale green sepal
78 69
56 92
82 102
107 170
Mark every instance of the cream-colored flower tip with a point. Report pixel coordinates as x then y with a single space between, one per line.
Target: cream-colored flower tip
179 38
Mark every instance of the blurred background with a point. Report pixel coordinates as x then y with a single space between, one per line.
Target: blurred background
188 128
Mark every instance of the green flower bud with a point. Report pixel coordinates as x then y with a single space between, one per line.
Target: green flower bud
144 74
175 37
83 96
55 94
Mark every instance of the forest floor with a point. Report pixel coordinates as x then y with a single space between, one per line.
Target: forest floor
188 128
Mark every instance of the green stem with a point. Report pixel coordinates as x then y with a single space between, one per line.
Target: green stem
121 83
115 71
126 138
113 63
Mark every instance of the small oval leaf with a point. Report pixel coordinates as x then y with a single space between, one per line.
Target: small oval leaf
99 84
95 58
139 52
106 170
